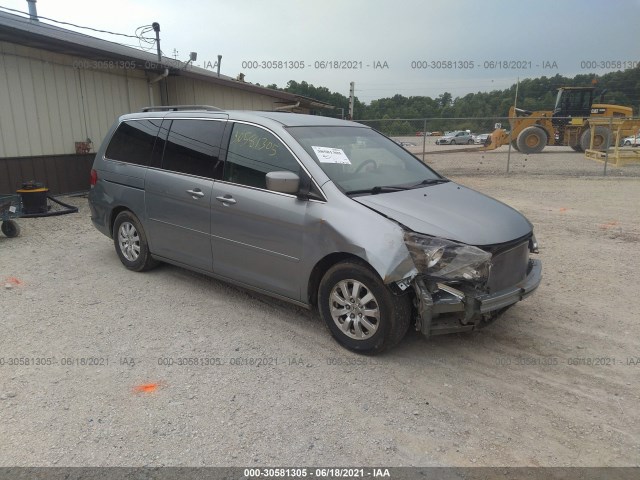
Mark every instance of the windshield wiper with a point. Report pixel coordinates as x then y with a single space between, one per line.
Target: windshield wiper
431 181
376 190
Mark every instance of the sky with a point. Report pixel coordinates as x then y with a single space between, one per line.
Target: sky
386 47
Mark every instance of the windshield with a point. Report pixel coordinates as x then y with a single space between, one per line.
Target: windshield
359 159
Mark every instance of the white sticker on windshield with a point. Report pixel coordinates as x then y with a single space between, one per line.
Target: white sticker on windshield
331 155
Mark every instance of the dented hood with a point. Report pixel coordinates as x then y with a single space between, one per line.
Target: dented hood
451 211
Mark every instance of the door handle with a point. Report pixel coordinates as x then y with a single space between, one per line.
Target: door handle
227 199
196 193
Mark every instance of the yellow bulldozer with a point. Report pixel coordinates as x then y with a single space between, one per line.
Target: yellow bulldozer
568 124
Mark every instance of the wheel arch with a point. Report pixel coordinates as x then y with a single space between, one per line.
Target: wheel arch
114 214
323 265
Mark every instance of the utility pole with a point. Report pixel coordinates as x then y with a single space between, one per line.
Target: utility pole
351 99
33 11
156 28
515 102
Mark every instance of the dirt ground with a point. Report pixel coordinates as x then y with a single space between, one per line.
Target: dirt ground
103 366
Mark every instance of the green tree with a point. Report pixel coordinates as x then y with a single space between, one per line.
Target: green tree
622 88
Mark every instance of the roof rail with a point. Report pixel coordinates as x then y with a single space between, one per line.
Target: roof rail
177 108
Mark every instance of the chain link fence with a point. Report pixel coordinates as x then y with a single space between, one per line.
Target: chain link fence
455 146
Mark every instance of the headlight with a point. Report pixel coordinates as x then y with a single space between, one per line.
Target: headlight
447 260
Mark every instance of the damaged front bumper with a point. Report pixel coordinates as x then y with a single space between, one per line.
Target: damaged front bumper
447 309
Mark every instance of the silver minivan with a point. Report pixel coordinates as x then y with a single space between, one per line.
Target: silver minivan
317 211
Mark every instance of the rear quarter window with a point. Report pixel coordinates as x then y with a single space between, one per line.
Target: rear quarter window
133 141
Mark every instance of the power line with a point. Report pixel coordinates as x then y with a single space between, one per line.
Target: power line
80 26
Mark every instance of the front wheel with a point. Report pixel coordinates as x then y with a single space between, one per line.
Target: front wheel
131 243
532 140
361 312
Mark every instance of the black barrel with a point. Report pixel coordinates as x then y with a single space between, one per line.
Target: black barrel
34 197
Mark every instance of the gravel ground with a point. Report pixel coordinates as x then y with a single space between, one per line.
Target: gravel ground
553 383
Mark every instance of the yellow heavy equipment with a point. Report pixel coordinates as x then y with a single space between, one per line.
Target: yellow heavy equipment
568 124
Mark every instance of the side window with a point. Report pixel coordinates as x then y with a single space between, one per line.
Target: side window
254 152
133 141
193 147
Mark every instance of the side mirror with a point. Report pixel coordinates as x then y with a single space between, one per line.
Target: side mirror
283 182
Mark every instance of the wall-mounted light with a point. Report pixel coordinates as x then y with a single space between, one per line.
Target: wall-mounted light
193 56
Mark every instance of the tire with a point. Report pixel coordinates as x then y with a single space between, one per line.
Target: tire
453 142
470 142
532 140
627 143
601 139
10 228
131 243
371 327
514 145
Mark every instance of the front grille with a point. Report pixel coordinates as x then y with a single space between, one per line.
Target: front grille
509 267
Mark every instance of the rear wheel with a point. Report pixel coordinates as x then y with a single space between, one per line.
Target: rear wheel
532 140
131 243
10 228
514 145
361 312
601 138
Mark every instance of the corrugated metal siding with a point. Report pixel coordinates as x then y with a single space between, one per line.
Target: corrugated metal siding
49 101
189 91
47 105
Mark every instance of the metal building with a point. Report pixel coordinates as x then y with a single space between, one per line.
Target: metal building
60 91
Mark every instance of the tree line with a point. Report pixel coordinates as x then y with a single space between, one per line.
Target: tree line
480 110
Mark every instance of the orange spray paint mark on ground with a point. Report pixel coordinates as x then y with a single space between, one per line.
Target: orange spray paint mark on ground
608 225
146 388
14 281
